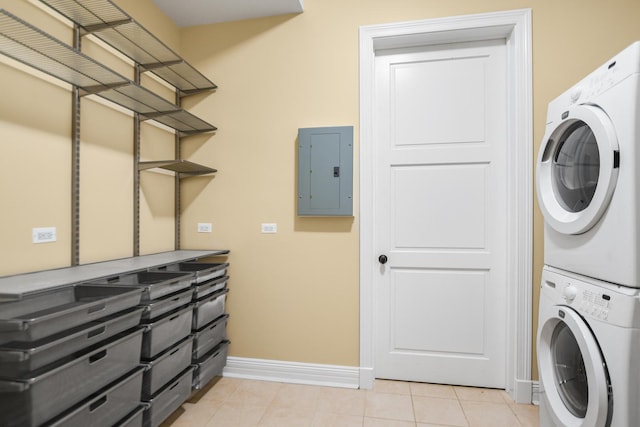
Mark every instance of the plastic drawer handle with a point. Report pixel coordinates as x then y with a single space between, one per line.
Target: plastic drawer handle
97 356
15 356
175 385
214 326
96 332
96 308
175 351
173 318
14 325
98 403
176 299
13 386
113 279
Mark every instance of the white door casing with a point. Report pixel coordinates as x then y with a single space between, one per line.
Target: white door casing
515 27
440 209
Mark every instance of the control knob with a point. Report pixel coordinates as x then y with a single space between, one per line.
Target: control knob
570 293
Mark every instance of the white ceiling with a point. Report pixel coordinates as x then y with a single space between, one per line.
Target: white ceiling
186 13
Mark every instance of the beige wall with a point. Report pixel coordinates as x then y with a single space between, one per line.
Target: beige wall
35 128
294 294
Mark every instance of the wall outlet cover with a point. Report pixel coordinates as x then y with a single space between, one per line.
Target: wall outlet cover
270 228
204 227
44 234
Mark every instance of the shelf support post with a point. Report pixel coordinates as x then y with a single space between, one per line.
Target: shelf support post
178 156
75 162
136 173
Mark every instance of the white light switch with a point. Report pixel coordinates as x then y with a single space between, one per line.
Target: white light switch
44 234
270 228
204 227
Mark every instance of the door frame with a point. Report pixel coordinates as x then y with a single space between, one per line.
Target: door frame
515 27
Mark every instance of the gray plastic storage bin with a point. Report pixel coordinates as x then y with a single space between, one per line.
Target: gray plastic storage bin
18 358
41 315
165 366
211 365
209 308
203 289
169 398
31 400
154 284
112 403
166 331
202 271
156 308
134 419
209 336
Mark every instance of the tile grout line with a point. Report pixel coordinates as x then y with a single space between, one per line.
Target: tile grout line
413 408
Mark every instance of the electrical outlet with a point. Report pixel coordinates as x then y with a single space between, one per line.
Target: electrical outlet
44 234
204 227
269 228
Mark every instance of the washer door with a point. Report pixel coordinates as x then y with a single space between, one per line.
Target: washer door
577 169
573 372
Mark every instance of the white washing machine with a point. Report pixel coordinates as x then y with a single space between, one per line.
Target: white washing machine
588 352
588 174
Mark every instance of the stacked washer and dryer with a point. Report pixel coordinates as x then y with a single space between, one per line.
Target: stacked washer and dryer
588 184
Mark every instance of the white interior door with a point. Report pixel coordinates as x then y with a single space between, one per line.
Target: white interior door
440 214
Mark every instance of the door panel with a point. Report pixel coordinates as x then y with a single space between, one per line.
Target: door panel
430 97
459 222
325 193
440 213
414 302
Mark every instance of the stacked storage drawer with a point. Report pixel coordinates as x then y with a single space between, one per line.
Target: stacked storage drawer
71 356
209 327
167 342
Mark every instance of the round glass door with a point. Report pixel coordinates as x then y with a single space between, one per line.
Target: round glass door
573 373
569 371
576 166
577 170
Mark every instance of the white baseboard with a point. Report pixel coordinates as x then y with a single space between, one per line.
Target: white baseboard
535 393
332 375
292 372
522 391
366 378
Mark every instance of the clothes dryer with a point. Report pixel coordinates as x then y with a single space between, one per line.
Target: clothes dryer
588 350
588 174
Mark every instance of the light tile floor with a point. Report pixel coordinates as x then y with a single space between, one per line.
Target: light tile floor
233 402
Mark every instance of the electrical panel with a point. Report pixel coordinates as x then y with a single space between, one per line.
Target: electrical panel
325 171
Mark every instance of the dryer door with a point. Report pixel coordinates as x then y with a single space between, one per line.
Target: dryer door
573 372
577 169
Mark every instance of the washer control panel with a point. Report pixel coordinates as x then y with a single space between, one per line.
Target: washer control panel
595 304
593 299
